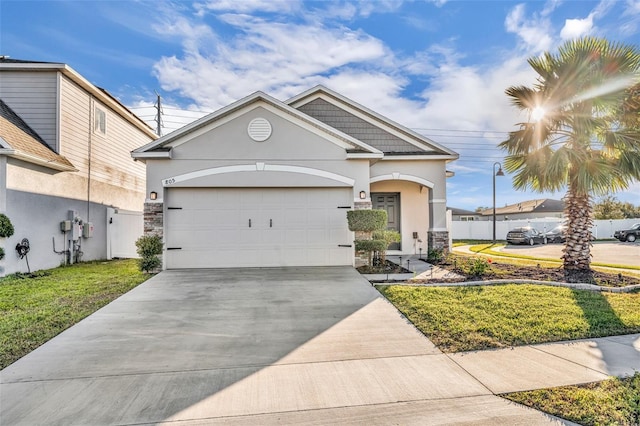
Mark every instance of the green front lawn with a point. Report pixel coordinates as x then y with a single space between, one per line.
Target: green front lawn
33 310
475 318
611 402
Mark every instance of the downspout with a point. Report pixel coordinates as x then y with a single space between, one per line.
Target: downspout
3 183
91 124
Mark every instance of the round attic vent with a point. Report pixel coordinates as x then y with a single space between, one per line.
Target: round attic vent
259 129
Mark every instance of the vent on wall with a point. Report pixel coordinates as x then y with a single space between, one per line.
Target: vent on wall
259 129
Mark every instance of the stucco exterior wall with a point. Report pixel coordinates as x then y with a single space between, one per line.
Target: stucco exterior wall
29 178
37 217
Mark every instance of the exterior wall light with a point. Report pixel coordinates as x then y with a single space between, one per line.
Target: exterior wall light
363 195
153 195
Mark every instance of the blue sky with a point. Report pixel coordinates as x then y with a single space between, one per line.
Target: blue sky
439 67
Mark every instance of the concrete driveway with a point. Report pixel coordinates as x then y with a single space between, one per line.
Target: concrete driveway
616 253
251 346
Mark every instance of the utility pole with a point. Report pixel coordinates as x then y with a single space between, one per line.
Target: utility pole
159 115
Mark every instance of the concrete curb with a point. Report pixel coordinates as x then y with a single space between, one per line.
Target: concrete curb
575 286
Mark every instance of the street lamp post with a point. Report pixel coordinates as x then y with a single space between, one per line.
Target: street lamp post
498 173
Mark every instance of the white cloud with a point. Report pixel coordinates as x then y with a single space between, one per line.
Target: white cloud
534 32
633 7
266 56
576 28
248 6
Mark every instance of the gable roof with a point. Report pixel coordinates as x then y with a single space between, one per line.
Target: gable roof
20 141
456 211
544 205
359 121
9 64
162 146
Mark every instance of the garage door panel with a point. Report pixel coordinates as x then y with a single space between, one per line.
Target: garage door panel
289 227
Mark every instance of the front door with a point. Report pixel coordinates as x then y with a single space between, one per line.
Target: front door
391 203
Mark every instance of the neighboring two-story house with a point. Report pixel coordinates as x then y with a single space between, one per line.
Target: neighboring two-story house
64 160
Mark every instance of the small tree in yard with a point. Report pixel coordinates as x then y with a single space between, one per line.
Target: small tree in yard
366 222
149 247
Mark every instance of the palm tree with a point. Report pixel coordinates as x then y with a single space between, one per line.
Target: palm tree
582 134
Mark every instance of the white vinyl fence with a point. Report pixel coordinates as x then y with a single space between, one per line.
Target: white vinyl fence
123 229
483 229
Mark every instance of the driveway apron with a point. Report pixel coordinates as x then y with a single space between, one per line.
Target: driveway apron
248 346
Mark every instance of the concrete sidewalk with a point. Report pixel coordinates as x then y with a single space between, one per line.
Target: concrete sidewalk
552 364
279 346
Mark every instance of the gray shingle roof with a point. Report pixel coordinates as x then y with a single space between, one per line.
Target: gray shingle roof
24 140
359 128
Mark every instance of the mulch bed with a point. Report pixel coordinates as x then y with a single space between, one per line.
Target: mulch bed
498 270
387 268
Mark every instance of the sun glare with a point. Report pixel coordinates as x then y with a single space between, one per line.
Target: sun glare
537 113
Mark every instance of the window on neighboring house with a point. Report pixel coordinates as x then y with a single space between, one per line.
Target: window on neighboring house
467 218
100 125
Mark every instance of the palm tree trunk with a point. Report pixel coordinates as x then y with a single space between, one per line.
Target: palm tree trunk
577 249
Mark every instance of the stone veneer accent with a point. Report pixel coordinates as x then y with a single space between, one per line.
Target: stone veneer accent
153 219
154 223
439 240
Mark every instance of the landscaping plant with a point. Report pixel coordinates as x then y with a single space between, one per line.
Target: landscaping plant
6 230
364 223
149 247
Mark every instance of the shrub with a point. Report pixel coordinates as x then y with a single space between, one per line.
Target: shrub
1 253
148 264
370 246
389 237
6 228
435 256
367 220
149 247
477 266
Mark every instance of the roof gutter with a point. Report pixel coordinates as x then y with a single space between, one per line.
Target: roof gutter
50 164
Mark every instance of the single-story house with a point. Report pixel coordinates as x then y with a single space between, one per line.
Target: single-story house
65 161
464 215
531 209
264 183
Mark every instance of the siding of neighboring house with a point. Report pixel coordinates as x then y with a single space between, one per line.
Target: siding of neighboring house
33 96
111 162
116 180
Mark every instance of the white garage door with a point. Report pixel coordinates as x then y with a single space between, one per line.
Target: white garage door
220 228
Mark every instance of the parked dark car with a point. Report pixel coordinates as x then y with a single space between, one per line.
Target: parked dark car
557 234
630 234
525 235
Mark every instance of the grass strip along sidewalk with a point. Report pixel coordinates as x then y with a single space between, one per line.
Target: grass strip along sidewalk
35 309
611 402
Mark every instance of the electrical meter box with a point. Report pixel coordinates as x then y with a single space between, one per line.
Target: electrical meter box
65 226
87 230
